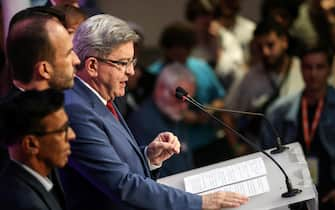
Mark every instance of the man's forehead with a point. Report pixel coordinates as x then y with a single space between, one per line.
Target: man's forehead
315 56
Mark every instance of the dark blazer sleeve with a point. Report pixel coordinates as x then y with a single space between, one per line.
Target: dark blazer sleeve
19 199
19 190
4 158
101 155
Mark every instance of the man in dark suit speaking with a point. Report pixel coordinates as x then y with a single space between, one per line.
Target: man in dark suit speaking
107 169
35 128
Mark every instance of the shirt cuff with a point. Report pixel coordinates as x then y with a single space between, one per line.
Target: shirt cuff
151 166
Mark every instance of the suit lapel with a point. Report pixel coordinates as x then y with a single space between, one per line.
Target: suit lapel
34 184
123 127
102 110
58 187
13 91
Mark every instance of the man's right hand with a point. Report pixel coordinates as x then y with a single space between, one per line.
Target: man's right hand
219 200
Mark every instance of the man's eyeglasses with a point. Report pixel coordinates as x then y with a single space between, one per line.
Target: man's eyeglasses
121 65
64 128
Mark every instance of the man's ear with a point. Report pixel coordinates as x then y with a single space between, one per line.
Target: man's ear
284 40
30 144
43 69
91 66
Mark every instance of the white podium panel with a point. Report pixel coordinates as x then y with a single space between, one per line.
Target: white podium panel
292 161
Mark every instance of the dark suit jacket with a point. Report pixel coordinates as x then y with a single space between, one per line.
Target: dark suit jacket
5 160
19 190
4 156
107 169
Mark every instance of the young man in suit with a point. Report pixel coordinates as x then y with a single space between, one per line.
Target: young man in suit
35 128
107 169
39 55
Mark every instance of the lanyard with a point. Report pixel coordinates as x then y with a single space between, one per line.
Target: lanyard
309 133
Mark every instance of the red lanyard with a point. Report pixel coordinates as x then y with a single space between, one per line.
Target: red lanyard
309 133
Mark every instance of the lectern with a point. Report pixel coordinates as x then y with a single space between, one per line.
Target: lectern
293 162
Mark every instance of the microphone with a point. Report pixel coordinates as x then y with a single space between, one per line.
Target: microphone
279 146
183 95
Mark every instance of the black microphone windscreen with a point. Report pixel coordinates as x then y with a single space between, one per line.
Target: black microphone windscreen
180 92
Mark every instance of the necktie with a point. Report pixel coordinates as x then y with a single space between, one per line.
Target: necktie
111 108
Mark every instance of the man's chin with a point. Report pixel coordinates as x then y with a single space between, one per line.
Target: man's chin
121 93
62 86
70 85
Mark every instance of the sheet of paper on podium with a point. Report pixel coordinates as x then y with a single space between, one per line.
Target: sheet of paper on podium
248 178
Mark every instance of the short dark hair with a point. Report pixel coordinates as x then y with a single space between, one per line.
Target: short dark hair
72 14
27 43
196 8
39 11
265 27
178 34
23 113
285 7
318 48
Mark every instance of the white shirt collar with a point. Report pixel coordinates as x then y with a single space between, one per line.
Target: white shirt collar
45 181
94 91
17 86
